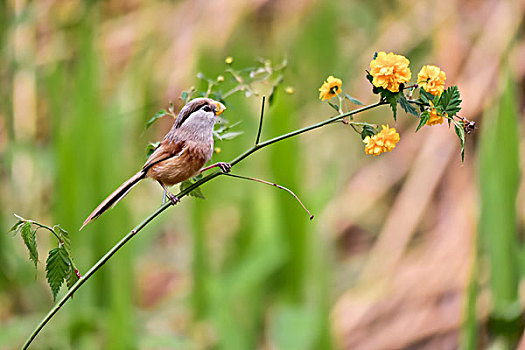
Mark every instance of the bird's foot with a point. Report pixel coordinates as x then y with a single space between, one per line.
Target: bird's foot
225 167
173 198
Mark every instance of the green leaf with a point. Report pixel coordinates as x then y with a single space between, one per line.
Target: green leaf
334 106
72 277
195 193
450 101
407 106
391 98
152 146
461 134
156 116
58 267
29 237
425 96
184 96
16 227
425 116
354 100
64 236
367 131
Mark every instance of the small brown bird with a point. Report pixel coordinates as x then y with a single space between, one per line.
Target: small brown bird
181 154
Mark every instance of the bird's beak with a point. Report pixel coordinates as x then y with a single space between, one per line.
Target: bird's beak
220 108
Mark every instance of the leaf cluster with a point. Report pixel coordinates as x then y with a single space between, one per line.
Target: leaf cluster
60 267
447 105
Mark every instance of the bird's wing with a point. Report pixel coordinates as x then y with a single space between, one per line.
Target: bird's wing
165 150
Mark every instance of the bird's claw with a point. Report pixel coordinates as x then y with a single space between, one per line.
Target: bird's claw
225 167
173 198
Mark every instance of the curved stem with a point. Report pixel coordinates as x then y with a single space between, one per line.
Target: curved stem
165 206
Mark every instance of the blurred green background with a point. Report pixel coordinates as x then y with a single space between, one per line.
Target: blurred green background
410 250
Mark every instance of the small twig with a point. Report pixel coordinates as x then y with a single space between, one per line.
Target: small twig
275 185
260 121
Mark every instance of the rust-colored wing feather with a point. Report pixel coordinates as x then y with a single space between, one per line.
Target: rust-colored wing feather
166 149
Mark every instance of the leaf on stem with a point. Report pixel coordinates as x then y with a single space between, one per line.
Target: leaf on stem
64 236
58 267
426 97
367 131
423 119
29 237
156 116
450 101
354 100
461 134
407 107
152 146
333 106
195 193
16 227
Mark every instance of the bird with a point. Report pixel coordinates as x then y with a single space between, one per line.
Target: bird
181 154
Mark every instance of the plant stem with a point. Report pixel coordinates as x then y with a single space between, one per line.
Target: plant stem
165 206
275 185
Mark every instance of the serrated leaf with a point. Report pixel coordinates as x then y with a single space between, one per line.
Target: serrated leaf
64 236
156 116
72 277
407 106
450 101
367 131
57 269
425 116
391 98
461 134
29 238
195 193
354 100
425 96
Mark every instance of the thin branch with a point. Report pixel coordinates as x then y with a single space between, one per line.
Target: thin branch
166 205
275 185
260 121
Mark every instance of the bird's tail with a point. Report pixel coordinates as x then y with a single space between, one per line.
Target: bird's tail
115 197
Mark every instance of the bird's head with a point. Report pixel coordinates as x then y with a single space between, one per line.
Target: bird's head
200 111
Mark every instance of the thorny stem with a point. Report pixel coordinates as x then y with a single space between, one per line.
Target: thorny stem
166 205
275 185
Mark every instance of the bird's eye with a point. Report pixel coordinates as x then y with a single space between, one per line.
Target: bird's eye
206 108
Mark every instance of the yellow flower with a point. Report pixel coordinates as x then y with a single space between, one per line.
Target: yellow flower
229 60
435 118
432 79
385 141
390 71
330 88
289 90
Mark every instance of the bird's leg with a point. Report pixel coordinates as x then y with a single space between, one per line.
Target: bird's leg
225 167
173 198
